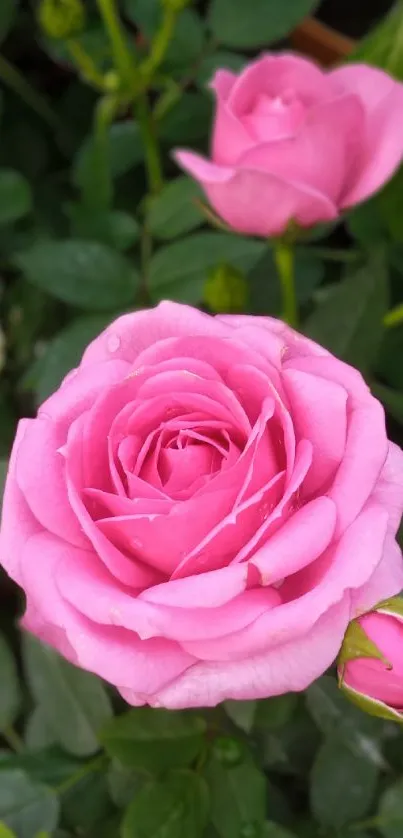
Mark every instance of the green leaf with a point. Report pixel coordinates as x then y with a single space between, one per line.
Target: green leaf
257 23
274 830
64 352
389 366
342 784
349 319
390 811
174 211
115 228
8 14
332 713
242 713
154 739
86 805
26 807
15 196
10 697
50 766
146 14
390 203
38 733
5 832
125 152
76 702
86 274
124 783
366 224
173 807
179 270
383 46
222 59
187 42
188 120
392 400
274 713
238 797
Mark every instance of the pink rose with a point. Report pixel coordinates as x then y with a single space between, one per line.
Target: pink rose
201 508
375 680
292 143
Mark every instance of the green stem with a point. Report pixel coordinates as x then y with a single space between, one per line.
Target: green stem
284 258
394 317
124 60
96 764
104 116
87 67
152 152
13 739
146 253
160 45
13 79
97 188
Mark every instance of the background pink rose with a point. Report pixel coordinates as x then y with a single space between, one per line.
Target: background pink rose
202 507
294 143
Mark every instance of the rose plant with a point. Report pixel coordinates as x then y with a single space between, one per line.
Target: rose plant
201 512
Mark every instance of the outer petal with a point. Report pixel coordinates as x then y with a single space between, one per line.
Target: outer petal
111 652
367 444
18 523
95 595
389 488
371 84
255 202
41 478
223 82
386 581
131 334
230 137
382 153
286 668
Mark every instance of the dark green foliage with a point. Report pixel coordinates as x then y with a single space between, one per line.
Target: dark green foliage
96 219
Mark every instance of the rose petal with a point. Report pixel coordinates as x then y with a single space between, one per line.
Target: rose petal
286 668
17 521
256 202
274 74
222 82
111 652
332 130
316 406
131 334
38 458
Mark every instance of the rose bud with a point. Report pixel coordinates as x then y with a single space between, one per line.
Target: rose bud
371 661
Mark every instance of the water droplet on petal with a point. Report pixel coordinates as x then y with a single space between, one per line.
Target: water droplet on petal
113 343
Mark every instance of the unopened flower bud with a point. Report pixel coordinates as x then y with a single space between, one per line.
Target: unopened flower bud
61 19
371 661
